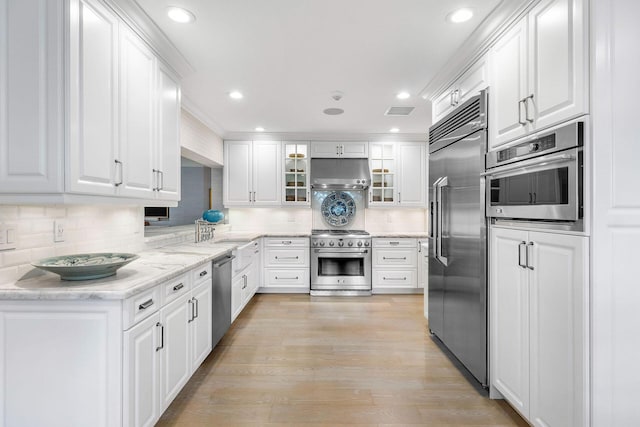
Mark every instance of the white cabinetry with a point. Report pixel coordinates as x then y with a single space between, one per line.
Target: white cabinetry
116 133
332 149
394 265
469 84
539 71
252 172
246 276
296 166
539 324
286 265
398 174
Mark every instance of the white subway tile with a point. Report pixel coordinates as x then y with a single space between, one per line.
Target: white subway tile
8 275
8 213
15 258
31 212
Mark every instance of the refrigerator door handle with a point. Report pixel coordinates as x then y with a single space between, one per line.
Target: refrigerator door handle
443 182
433 230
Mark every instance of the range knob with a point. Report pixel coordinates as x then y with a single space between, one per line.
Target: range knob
341 243
366 243
331 243
321 243
350 243
315 243
359 243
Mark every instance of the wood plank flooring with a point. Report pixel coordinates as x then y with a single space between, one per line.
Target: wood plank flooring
291 360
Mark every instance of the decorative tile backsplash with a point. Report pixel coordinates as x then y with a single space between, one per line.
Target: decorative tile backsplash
86 229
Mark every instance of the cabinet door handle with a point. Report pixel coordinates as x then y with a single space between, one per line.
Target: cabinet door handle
390 257
451 99
522 122
457 96
146 304
190 302
526 108
530 198
257 251
161 336
178 287
157 178
203 273
529 246
254 197
342 150
196 308
249 196
337 150
119 165
523 243
399 197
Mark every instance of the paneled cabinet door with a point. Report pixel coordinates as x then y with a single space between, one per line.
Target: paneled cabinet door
137 116
167 169
558 77
238 172
412 165
201 329
508 64
141 400
93 100
509 316
558 329
236 296
175 363
267 166
325 149
357 150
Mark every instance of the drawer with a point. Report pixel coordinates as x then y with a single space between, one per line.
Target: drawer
176 287
290 278
395 278
291 257
287 241
244 255
395 257
141 306
201 273
395 243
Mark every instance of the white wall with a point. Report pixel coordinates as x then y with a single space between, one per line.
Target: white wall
87 229
199 143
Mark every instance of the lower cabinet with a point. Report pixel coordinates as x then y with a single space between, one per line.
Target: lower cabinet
394 266
286 265
246 276
539 324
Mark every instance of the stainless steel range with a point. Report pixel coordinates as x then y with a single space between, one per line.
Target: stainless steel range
340 262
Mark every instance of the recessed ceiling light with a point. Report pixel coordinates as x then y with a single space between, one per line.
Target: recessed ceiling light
460 15
178 14
403 95
394 130
259 129
333 111
236 95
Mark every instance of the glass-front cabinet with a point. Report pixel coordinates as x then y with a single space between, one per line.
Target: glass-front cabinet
296 173
382 161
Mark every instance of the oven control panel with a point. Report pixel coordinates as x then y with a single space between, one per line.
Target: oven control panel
340 242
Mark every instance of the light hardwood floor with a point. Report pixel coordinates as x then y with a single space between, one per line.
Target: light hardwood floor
291 360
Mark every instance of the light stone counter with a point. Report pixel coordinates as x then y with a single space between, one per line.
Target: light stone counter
400 234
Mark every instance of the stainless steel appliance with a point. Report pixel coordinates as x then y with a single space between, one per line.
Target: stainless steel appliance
539 180
458 234
340 262
221 299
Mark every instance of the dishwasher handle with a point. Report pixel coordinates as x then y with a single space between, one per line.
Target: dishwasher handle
226 260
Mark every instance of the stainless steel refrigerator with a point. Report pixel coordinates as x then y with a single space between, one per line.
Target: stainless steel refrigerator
458 234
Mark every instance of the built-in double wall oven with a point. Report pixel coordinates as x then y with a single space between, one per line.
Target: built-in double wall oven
539 180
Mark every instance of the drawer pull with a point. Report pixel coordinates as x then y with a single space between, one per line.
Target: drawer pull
287 242
287 257
286 278
178 287
390 257
394 243
394 278
146 304
203 273
257 251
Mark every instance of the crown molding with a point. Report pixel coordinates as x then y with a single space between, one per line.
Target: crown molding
311 137
189 106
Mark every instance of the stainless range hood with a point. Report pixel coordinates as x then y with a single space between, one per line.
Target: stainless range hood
340 174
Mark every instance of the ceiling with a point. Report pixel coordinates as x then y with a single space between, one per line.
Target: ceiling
287 57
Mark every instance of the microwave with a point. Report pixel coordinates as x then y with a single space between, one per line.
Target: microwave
539 180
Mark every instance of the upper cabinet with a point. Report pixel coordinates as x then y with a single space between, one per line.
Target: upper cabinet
252 173
470 83
296 173
122 110
333 149
398 174
539 71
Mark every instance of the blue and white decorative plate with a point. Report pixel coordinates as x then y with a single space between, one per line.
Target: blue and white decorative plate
338 209
85 266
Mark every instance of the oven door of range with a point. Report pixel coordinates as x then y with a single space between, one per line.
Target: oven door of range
342 269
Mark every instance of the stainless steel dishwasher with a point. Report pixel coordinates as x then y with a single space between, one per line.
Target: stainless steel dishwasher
221 303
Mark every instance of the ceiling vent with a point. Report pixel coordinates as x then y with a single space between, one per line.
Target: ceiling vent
399 111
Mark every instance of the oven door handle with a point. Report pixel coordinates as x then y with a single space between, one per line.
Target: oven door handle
525 165
359 254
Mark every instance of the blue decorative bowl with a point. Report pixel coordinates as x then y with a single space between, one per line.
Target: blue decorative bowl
85 266
213 215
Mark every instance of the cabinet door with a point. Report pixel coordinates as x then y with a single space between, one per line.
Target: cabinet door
93 99
237 173
358 150
384 185
31 96
509 317
443 105
175 355
236 296
473 80
558 78
201 327
140 373
168 148
267 166
137 116
328 149
412 165
558 329
509 79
